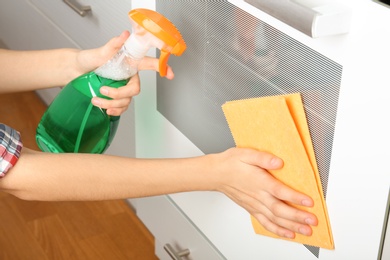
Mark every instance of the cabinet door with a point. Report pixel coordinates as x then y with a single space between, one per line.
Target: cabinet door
23 26
105 20
170 226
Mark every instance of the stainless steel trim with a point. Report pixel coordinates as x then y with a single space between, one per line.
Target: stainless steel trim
315 18
174 254
384 248
82 10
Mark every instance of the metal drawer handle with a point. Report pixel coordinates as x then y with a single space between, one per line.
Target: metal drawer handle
176 255
82 10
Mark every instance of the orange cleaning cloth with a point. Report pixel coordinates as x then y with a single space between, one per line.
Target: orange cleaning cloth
277 124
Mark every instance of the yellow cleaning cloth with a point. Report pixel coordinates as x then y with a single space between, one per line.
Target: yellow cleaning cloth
277 124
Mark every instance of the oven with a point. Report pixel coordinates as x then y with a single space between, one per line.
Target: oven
336 54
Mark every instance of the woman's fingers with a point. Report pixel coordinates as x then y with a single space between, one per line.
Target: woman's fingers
120 98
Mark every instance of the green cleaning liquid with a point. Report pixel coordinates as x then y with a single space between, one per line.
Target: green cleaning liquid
72 124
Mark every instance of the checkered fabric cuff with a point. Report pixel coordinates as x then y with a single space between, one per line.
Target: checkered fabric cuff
10 148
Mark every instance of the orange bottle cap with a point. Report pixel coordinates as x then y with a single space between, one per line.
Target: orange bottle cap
163 29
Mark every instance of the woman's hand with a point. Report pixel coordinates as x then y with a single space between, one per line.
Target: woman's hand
248 183
120 98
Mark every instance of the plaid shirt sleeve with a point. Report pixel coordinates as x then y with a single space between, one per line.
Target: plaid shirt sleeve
10 148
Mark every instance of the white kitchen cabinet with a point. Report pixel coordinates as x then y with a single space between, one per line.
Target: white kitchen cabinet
209 224
171 227
25 27
105 20
357 189
39 24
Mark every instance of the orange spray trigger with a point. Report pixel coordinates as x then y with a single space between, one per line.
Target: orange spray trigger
164 56
161 28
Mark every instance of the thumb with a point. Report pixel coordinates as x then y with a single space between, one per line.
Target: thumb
117 42
149 63
263 159
113 45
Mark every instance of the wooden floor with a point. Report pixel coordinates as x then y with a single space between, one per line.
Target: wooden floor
63 230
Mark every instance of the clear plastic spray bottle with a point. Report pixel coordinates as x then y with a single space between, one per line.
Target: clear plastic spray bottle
71 124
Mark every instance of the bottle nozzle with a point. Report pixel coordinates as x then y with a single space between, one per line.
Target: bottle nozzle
164 30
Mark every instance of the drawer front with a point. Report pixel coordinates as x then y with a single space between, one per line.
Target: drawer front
105 20
170 226
24 27
34 31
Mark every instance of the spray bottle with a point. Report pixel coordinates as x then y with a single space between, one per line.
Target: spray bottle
71 124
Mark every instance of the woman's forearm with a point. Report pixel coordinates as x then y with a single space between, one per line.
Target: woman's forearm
238 173
31 70
44 176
